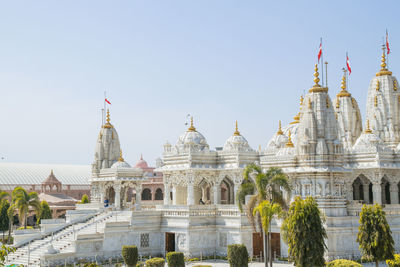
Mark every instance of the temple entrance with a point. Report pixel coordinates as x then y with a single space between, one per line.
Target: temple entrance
110 195
276 245
227 191
169 242
258 245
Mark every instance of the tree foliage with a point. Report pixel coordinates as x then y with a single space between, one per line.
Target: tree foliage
4 221
175 259
304 233
267 211
374 235
4 251
85 199
23 200
45 211
130 255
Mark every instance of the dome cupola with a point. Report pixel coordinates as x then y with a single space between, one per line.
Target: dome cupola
237 142
192 140
142 164
120 164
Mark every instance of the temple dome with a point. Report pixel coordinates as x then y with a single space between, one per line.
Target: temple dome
120 164
237 142
368 141
192 139
280 138
142 164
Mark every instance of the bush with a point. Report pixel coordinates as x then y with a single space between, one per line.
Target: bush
22 228
175 259
130 255
395 262
238 255
84 200
155 262
343 263
140 264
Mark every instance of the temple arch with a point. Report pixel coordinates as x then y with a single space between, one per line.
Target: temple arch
146 194
227 191
362 189
159 194
385 185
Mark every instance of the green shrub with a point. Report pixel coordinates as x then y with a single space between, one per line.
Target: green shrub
238 255
130 255
84 200
175 259
193 259
395 262
140 264
343 263
22 228
155 262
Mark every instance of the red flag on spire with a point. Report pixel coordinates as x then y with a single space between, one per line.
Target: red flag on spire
108 102
320 51
348 64
387 43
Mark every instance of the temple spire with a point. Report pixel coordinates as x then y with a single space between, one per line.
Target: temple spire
121 159
384 70
280 129
317 87
343 92
289 142
108 124
237 133
368 130
191 128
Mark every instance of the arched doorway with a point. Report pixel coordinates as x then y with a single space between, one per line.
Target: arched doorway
110 195
146 194
159 194
362 189
203 193
227 191
385 190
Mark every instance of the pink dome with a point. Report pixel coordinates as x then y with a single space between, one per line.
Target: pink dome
141 163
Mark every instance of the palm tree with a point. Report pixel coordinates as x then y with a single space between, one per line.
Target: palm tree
23 201
266 186
10 214
3 194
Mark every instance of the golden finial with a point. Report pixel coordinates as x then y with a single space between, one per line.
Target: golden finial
337 102
279 129
377 85
316 75
395 85
108 124
237 133
368 130
343 92
51 172
376 101
309 103
289 142
121 159
384 70
191 128
301 100
327 102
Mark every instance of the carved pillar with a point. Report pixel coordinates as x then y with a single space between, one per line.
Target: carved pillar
190 195
235 189
174 201
366 193
216 191
394 193
117 200
138 203
377 192
167 197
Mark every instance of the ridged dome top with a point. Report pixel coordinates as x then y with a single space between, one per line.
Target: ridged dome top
192 138
237 142
120 164
141 163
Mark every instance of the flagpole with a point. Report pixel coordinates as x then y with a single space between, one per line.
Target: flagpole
104 112
326 73
387 54
346 72
322 64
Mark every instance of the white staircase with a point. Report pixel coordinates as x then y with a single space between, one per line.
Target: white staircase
63 241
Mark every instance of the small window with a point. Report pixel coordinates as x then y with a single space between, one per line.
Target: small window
144 240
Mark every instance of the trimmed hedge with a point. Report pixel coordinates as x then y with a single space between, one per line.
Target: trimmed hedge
175 259
343 263
395 262
155 262
130 255
238 255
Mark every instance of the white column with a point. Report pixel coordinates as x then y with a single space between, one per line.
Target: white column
216 191
117 200
235 190
138 197
102 194
190 195
394 194
174 195
366 193
377 192
166 195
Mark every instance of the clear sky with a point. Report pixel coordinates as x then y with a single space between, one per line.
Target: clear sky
220 61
